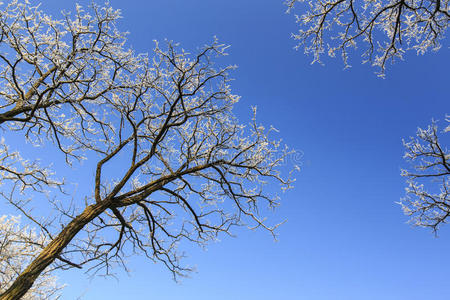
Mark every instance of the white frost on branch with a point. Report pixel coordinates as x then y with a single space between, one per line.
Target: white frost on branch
387 28
427 198
18 246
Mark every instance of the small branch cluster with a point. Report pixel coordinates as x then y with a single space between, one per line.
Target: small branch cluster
54 72
18 247
427 198
22 174
388 28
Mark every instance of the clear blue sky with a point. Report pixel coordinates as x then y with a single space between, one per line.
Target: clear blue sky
346 238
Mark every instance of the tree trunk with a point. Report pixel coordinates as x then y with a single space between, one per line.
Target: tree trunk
26 279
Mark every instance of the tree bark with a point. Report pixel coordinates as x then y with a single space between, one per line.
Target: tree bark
26 279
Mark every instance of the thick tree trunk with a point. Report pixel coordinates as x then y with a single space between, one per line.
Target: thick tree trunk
26 279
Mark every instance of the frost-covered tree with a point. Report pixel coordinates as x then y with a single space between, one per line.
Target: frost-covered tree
18 246
427 198
387 28
184 168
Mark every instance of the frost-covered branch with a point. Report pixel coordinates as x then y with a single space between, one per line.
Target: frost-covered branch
54 73
18 247
388 28
22 173
427 198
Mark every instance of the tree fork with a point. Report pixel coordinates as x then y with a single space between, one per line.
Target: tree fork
26 279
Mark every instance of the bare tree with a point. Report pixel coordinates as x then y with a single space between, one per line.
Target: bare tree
18 246
188 169
427 198
387 27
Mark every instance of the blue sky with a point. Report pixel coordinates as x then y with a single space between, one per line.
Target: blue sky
345 238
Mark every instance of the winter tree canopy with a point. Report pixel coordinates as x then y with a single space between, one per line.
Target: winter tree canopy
188 169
